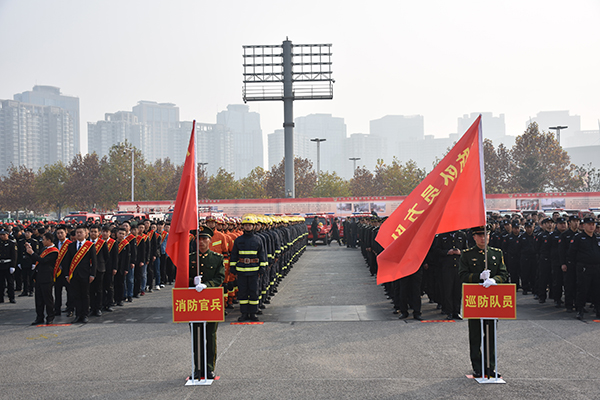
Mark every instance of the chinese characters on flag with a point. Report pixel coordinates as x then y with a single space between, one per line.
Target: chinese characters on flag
499 301
451 197
191 306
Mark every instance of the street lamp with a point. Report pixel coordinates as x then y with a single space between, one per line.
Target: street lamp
558 128
203 165
318 155
354 159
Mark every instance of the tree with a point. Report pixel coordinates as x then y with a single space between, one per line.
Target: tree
254 185
223 186
331 185
50 190
541 164
304 178
397 179
17 190
362 183
82 187
155 179
498 165
590 178
116 175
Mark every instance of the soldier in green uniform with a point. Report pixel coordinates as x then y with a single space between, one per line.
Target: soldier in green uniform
472 269
210 273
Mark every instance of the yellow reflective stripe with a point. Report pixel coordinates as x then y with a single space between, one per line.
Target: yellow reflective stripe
248 252
243 301
253 302
247 269
264 264
277 251
232 263
216 243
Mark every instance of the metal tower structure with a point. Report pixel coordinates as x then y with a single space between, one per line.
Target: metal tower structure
287 72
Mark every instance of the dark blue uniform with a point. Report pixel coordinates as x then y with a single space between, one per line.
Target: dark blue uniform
249 260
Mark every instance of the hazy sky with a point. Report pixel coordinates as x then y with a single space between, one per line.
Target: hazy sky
440 59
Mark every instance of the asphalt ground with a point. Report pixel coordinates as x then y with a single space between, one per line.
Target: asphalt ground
329 333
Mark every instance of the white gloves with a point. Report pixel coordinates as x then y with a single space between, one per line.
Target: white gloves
489 282
33 267
11 270
197 280
200 287
19 265
485 275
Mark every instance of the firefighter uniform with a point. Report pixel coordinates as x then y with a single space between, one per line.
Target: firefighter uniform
249 260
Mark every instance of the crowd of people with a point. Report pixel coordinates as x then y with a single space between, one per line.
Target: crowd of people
84 270
553 258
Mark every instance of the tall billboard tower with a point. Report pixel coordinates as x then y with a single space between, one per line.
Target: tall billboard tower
288 72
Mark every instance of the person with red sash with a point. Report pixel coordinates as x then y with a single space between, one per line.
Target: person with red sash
108 296
81 259
122 264
103 258
140 263
60 277
131 228
43 278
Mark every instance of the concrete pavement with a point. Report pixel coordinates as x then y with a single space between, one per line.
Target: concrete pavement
328 334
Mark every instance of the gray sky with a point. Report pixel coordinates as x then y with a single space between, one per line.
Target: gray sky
440 59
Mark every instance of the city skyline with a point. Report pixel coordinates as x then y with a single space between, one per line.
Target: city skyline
436 59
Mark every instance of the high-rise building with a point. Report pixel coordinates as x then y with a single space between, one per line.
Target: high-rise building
394 129
247 138
117 128
494 128
324 126
366 147
34 135
276 146
214 146
160 118
51 96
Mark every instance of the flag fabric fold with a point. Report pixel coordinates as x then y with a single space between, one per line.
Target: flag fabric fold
451 197
185 215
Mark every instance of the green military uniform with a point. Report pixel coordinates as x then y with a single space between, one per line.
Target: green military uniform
212 271
471 265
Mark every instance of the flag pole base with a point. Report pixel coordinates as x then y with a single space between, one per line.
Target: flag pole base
490 380
199 382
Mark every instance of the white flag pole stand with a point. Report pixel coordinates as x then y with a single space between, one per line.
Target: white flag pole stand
494 379
193 381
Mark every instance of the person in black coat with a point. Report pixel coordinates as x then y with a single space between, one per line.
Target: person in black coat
81 259
44 278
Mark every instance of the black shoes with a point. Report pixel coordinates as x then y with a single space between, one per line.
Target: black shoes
243 317
38 322
96 313
50 321
253 317
457 317
579 315
108 309
418 317
69 314
403 316
12 301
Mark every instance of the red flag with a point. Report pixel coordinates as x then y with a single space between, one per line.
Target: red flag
185 216
451 197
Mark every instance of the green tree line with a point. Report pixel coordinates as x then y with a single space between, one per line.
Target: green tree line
536 163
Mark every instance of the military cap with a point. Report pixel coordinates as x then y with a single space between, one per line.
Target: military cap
205 231
560 220
546 220
481 229
3 231
516 224
574 218
588 220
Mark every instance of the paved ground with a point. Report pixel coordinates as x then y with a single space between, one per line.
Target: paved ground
328 334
